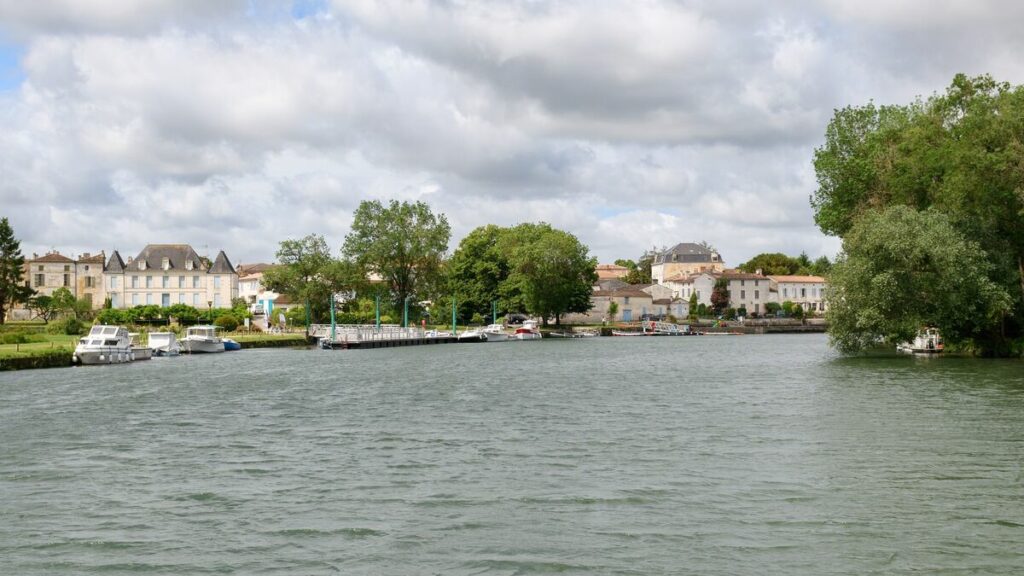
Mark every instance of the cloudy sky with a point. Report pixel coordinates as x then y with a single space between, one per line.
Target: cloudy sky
233 124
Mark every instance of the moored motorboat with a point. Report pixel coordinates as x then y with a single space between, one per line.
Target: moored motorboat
528 331
496 333
104 345
230 345
927 341
202 339
164 344
139 352
473 335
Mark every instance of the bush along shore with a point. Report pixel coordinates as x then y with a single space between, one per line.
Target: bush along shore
46 358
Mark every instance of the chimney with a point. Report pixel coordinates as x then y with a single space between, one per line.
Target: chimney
758 271
35 256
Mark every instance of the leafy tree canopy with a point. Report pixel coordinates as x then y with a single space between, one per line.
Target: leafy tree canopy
404 243
958 153
778 264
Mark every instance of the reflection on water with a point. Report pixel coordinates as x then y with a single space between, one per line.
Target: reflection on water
744 455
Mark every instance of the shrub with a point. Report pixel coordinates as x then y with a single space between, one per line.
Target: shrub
477 318
227 322
20 338
729 314
70 326
742 311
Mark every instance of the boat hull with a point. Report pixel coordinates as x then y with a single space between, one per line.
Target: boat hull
201 346
496 336
141 353
106 355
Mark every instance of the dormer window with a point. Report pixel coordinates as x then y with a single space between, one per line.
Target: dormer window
165 263
189 265
142 264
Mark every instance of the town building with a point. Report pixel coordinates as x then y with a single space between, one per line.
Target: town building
685 258
168 274
611 271
807 291
83 277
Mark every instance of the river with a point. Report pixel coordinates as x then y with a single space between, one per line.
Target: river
712 456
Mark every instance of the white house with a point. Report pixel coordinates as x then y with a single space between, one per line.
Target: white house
168 274
807 291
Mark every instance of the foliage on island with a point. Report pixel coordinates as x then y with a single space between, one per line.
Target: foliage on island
929 202
13 289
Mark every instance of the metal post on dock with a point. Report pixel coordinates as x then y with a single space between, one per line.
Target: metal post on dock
378 309
405 314
453 317
332 318
494 312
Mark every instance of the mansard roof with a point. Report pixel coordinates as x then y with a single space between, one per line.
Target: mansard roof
177 255
687 252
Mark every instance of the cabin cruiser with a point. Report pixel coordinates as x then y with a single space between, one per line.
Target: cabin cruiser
528 331
495 333
139 352
104 345
473 335
164 344
201 339
927 341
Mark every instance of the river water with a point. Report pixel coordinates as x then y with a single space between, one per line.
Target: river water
714 455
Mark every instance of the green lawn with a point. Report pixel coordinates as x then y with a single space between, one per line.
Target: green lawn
51 341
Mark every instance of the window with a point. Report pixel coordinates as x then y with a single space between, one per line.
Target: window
89 282
135 299
216 300
149 299
165 263
195 281
803 292
40 268
216 282
142 264
165 282
67 279
743 294
181 281
135 281
742 282
195 300
149 281
40 279
625 300
181 298
67 267
86 267
785 292
188 265
757 294
113 282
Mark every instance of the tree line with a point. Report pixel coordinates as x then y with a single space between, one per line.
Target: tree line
395 258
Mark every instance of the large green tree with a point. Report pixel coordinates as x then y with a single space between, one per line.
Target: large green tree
302 273
476 271
959 153
902 269
13 289
555 273
404 243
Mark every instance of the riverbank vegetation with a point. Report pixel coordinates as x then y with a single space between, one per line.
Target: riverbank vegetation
928 201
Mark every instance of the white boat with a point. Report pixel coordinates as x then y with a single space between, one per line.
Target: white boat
164 344
528 331
104 345
496 333
139 352
202 339
927 341
473 335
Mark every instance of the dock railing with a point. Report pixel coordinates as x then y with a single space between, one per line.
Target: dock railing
353 333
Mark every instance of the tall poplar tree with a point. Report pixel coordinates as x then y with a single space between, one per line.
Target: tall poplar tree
13 289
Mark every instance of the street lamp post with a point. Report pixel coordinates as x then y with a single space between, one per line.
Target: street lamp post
405 313
209 306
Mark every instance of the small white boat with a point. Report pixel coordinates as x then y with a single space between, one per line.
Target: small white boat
104 345
164 344
139 352
473 335
528 331
496 333
927 341
202 339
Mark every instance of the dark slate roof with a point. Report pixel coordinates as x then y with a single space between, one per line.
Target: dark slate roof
686 252
176 254
115 264
222 265
742 276
53 257
246 269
